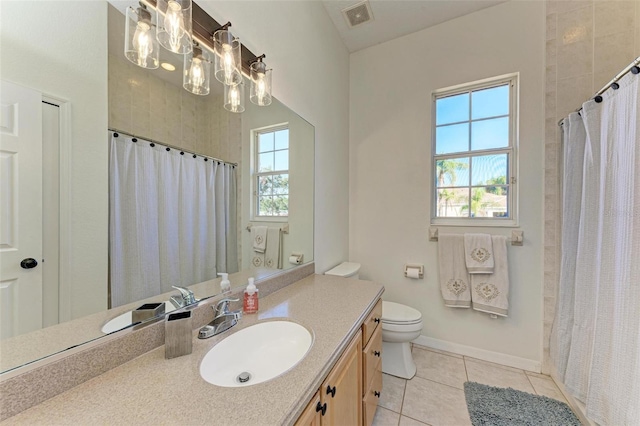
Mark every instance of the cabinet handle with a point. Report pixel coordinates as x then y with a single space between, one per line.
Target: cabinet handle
376 320
376 353
321 407
331 391
376 393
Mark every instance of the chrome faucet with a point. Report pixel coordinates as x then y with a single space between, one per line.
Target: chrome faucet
222 321
186 297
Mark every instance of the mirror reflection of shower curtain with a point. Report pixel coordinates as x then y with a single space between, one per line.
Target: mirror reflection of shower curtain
595 340
172 219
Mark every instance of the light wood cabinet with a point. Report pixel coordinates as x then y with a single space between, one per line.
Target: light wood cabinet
342 388
372 363
349 395
312 415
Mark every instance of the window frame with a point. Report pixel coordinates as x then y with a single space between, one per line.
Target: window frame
511 150
255 174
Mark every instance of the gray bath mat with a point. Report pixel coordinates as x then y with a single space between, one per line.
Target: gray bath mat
491 406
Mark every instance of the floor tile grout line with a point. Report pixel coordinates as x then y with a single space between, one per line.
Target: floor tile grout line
419 421
443 384
404 392
531 383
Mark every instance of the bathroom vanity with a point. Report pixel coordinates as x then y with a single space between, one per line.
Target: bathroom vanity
342 369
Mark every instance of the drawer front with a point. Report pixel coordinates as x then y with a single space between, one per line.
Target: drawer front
372 321
372 396
371 356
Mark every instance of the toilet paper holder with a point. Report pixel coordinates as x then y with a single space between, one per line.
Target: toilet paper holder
296 258
413 267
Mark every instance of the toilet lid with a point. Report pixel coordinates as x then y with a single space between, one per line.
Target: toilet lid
398 313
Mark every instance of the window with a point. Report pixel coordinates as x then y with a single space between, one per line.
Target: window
474 153
272 172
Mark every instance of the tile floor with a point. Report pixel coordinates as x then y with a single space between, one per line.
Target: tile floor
435 396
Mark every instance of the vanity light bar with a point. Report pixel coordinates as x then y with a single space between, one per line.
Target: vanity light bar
202 25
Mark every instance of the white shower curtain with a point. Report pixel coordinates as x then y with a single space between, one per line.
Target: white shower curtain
172 219
595 341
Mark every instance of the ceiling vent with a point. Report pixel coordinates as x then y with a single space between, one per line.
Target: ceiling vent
358 14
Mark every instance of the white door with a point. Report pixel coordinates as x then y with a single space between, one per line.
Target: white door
20 210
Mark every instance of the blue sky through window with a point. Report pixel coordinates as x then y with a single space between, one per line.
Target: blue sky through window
489 129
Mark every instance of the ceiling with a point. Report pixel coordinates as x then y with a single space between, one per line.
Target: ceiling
395 18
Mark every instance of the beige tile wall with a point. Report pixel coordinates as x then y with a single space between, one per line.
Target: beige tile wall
587 44
148 106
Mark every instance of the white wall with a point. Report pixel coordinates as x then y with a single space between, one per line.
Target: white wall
39 50
310 76
389 168
300 219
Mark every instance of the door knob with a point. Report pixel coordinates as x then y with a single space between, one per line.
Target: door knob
28 263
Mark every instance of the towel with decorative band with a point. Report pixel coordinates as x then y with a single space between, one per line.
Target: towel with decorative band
490 292
452 271
478 253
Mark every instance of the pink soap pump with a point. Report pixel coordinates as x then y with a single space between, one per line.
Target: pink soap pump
250 305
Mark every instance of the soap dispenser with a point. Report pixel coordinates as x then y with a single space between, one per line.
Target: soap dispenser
250 305
225 284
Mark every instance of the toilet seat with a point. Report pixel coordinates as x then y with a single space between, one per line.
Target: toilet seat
398 314
402 328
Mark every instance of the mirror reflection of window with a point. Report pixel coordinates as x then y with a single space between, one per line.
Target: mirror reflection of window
272 172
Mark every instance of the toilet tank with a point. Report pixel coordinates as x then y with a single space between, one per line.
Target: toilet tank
346 270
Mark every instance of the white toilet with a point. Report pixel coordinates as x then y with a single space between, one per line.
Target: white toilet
400 325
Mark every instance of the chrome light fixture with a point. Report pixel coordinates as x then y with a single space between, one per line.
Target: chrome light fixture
197 71
234 97
227 63
173 23
140 44
260 93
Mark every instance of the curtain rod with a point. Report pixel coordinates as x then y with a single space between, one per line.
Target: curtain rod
177 148
633 67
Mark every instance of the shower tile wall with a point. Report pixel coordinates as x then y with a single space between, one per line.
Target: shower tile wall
587 44
148 106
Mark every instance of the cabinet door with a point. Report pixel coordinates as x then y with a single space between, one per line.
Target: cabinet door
312 415
371 356
342 389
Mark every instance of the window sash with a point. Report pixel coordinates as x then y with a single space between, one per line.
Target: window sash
510 150
257 175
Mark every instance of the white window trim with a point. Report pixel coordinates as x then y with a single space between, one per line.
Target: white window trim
254 217
513 221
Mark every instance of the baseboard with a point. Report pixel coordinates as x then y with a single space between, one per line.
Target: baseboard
483 354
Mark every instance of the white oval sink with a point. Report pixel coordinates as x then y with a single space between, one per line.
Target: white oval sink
264 351
125 320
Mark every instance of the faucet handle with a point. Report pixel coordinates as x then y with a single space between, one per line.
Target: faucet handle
187 295
223 306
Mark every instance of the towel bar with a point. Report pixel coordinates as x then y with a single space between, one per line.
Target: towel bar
284 229
517 237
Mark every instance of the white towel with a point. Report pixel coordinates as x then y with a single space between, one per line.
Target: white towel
490 292
478 253
272 257
259 237
452 271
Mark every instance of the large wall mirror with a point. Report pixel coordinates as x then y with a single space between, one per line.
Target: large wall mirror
85 92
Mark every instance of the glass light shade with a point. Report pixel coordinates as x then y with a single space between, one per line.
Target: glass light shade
260 93
234 98
140 44
228 58
197 72
173 25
